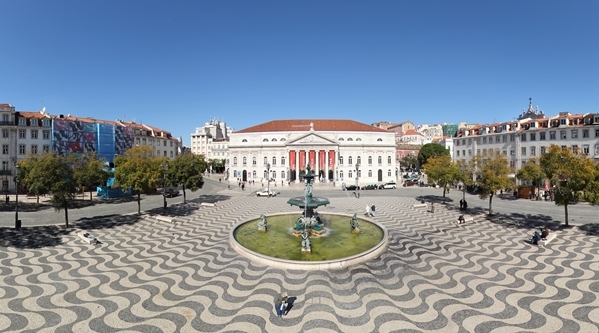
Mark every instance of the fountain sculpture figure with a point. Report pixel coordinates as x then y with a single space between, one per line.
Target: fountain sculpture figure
262 225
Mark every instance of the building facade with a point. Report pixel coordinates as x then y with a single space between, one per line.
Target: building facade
345 151
211 140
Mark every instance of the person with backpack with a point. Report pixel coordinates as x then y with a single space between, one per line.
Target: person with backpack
372 210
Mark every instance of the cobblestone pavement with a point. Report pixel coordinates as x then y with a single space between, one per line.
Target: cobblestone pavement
436 276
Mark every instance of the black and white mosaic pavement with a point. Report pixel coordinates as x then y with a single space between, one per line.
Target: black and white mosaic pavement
151 276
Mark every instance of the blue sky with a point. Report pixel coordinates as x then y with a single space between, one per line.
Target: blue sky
177 64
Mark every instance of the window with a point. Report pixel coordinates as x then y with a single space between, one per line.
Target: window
340 139
359 160
497 139
275 140
504 153
533 151
533 136
244 140
22 133
484 141
44 134
283 161
379 140
564 147
22 121
164 143
369 173
350 139
172 144
266 161
144 141
562 135
512 152
523 151
282 139
484 152
505 138
543 150
235 160
264 140
585 149
340 160
389 173
254 174
574 134
171 153
369 160
574 148
562 121
389 160
22 150
350 174
359 173
254 161
349 161
5 118
478 152
244 161
463 152
157 152
46 148
542 136
457 142
512 137
523 137
4 149
34 134
5 133
358 139
458 152
552 135
341 174
33 122
469 152
274 160
34 149
282 173
585 133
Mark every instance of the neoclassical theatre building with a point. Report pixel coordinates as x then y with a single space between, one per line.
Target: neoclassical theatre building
337 150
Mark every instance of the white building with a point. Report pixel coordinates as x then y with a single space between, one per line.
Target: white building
161 141
410 136
430 132
335 149
211 140
530 136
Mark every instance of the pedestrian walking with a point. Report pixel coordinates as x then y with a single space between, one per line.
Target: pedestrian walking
432 207
372 210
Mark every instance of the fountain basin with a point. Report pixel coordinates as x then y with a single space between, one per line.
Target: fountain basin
337 248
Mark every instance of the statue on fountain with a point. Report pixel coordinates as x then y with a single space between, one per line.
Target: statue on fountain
306 247
355 226
262 224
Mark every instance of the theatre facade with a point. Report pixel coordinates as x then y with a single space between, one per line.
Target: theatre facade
339 150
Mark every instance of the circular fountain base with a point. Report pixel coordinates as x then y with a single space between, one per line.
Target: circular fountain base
338 248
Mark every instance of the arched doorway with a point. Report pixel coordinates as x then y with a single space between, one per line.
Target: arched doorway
380 175
331 175
244 176
292 176
321 174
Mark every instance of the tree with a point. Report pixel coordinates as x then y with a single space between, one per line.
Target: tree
89 170
466 175
139 170
571 174
442 170
492 173
532 172
187 170
430 150
409 161
32 177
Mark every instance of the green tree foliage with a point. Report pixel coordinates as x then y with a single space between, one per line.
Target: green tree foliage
50 173
443 171
466 174
532 172
139 170
89 170
431 150
409 161
571 174
186 170
492 173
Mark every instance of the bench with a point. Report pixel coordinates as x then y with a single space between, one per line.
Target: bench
466 218
165 218
208 204
418 205
88 238
549 238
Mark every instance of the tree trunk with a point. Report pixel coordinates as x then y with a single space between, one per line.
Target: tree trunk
566 211
66 213
38 199
464 193
184 197
90 193
491 204
138 202
444 188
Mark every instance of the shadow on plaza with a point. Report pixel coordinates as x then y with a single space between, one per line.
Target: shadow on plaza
25 206
434 198
591 229
188 208
32 237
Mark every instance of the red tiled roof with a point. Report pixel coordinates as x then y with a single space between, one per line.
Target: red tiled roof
326 125
411 132
28 114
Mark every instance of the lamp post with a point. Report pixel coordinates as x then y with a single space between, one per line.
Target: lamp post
17 221
165 167
268 177
357 178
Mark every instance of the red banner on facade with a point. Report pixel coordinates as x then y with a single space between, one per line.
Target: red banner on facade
302 159
292 159
312 159
331 159
322 160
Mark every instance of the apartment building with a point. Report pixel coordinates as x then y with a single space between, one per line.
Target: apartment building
211 140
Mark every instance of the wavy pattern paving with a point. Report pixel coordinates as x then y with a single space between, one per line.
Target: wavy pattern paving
153 276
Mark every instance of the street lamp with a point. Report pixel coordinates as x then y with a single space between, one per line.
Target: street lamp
17 221
357 168
165 167
268 176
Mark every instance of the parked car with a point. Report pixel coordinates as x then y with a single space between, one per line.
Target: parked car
388 185
171 192
409 183
371 187
351 188
266 193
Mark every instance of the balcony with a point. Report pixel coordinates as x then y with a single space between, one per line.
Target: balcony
7 123
5 172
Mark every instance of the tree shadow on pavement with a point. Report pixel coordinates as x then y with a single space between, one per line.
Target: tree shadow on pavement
591 229
524 221
82 203
188 208
105 221
434 198
32 237
25 206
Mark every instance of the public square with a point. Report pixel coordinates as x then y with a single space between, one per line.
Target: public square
147 275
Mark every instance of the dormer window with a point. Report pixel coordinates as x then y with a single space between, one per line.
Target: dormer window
587 121
340 139
265 140
562 121
350 139
274 140
33 122
282 139
379 139
22 121
533 124
244 140
358 139
596 120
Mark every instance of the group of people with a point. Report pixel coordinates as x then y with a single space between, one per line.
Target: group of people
463 204
540 236
281 305
370 210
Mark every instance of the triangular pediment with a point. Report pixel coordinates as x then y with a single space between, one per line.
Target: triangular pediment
310 138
